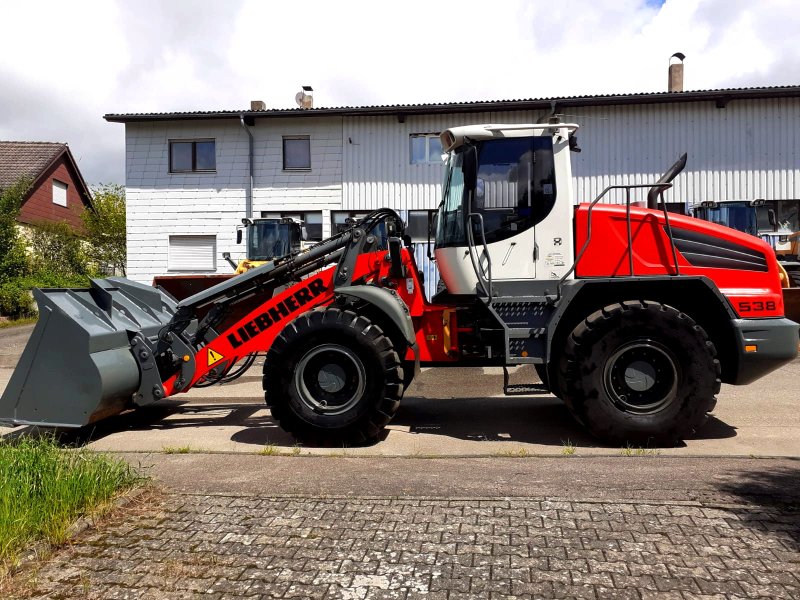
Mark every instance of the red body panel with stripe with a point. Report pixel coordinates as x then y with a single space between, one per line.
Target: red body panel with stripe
754 290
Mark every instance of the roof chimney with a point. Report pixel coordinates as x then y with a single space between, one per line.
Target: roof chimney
258 105
675 83
305 97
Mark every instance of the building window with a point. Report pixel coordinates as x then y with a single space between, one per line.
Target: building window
339 222
191 156
297 153
417 225
340 218
59 193
312 221
425 149
192 253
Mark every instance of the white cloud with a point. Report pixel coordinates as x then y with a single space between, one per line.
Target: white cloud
89 58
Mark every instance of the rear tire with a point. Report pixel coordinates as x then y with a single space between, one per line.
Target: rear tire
333 378
640 373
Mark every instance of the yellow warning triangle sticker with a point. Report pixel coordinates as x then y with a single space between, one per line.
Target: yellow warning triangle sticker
214 357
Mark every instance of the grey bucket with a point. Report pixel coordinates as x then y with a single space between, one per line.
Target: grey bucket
78 367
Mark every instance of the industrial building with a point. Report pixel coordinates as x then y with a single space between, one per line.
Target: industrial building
192 176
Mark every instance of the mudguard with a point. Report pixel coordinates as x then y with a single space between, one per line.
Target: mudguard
389 303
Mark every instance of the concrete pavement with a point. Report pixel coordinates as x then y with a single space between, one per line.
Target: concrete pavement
446 412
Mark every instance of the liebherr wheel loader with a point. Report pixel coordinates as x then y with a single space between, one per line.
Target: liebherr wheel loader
632 316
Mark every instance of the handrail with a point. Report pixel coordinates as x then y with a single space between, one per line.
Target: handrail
477 267
661 187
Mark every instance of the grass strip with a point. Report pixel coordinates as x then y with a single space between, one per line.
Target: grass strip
45 488
17 322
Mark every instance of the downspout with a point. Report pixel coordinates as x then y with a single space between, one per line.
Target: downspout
248 205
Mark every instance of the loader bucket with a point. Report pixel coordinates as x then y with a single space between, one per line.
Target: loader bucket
78 366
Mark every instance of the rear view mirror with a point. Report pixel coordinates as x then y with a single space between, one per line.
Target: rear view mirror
238 236
773 220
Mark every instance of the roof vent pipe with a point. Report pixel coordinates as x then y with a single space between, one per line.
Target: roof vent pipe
675 83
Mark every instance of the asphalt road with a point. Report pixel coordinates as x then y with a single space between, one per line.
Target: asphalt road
446 412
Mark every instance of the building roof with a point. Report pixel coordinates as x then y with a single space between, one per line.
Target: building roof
26 159
720 96
33 159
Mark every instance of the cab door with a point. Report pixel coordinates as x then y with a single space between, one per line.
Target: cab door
515 190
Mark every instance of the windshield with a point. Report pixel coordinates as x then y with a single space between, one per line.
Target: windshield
515 189
266 241
737 216
450 224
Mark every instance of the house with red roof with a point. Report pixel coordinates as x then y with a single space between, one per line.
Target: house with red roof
58 192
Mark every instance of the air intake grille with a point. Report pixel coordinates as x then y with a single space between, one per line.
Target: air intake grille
702 250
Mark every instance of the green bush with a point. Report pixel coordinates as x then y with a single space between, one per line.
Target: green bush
16 300
55 256
57 250
13 260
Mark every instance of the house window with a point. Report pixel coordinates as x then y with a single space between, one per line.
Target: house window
59 193
192 253
297 153
425 149
312 221
190 156
417 225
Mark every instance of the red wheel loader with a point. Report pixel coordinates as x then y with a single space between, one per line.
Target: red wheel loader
632 316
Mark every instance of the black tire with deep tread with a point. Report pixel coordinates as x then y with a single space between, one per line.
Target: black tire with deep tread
594 341
384 373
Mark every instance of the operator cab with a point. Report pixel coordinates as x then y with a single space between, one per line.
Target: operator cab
268 239
506 210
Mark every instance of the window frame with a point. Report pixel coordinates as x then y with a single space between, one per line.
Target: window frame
349 214
193 142
286 138
55 183
437 160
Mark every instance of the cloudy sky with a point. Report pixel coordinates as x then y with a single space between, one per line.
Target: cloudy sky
63 65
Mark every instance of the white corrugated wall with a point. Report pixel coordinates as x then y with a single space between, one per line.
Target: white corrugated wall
746 150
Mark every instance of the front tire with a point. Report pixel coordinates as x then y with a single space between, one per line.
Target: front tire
333 378
640 372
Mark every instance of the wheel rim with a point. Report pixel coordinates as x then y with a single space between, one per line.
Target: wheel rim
642 377
330 379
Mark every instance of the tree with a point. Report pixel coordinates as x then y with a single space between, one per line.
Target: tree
105 226
13 261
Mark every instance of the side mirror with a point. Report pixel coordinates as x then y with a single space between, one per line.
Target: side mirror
304 234
238 236
773 220
469 167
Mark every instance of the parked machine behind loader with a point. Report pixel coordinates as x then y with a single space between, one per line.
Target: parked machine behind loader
633 317
743 216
